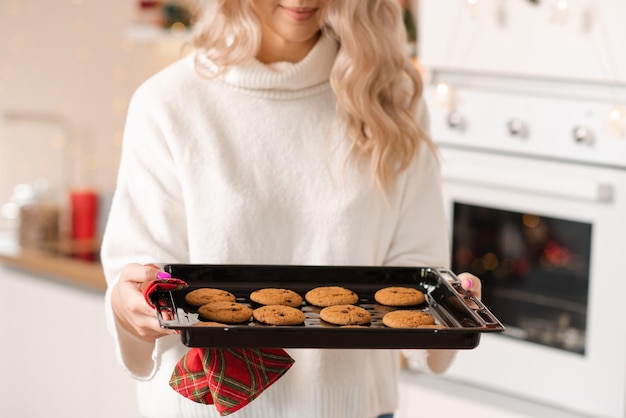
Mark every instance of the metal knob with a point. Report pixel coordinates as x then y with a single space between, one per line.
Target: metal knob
583 135
517 127
456 120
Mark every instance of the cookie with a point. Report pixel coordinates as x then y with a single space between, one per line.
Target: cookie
206 295
227 312
279 315
345 315
399 296
407 319
331 295
274 296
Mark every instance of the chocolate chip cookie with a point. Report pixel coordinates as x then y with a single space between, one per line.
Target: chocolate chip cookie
408 319
226 312
345 315
274 296
206 295
331 295
278 315
399 296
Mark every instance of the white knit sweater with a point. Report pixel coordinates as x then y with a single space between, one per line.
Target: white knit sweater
249 168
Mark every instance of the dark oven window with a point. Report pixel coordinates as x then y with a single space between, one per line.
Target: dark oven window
534 269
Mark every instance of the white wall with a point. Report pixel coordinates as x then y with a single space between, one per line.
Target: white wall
516 37
71 61
64 63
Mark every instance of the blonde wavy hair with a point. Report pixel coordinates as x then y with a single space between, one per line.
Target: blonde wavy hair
376 84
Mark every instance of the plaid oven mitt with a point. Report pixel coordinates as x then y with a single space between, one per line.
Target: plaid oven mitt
229 378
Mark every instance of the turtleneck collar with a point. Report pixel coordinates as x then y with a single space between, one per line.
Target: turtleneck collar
285 77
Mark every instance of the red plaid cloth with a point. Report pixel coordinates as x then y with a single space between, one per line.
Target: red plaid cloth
229 378
161 284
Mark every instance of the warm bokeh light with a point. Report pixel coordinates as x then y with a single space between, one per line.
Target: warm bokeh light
120 73
443 89
119 104
530 221
489 261
616 113
617 121
178 29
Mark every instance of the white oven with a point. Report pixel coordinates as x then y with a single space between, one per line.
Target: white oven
535 191
527 105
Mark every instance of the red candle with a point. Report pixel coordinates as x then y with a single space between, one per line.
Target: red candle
84 209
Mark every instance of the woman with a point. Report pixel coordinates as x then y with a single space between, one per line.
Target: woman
293 135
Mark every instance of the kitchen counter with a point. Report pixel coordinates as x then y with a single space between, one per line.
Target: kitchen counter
57 358
87 274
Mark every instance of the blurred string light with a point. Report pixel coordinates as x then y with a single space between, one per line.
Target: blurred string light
178 29
560 9
443 89
562 5
472 6
617 121
444 95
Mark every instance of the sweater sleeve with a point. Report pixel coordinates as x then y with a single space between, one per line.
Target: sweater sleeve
146 222
421 236
421 233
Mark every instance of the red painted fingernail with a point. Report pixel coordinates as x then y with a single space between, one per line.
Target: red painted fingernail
163 275
470 283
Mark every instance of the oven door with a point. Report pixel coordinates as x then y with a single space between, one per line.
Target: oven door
547 240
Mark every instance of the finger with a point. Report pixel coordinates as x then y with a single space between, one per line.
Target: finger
471 283
147 325
467 282
140 273
160 274
149 329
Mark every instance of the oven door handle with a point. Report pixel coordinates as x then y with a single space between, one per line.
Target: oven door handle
578 189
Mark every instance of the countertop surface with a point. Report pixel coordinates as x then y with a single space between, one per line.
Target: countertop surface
72 270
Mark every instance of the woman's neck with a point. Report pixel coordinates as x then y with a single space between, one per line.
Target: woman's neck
275 49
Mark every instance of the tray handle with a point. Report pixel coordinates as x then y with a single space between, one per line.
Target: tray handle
166 311
478 310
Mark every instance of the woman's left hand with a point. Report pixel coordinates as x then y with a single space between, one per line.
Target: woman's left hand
471 283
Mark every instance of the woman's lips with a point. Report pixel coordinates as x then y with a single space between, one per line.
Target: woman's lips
300 14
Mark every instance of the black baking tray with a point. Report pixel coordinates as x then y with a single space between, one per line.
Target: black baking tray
465 317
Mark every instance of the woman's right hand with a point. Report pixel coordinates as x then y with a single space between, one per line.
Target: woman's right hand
130 308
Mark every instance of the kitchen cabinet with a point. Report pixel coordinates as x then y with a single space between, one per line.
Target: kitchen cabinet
56 357
422 395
